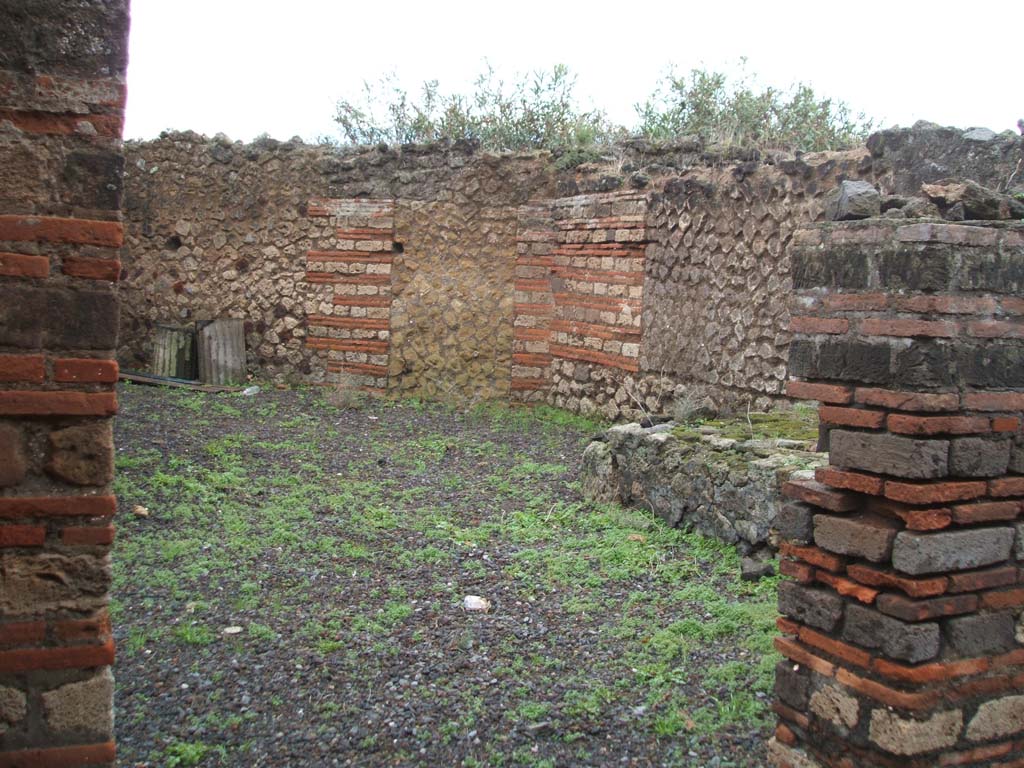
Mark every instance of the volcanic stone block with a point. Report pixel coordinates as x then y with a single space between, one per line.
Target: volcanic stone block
832 703
1017 457
979 457
819 608
13 464
996 719
924 365
889 454
84 706
13 706
918 268
83 454
992 365
853 200
864 535
923 553
793 521
984 270
913 737
981 635
897 639
836 268
33 316
791 684
34 584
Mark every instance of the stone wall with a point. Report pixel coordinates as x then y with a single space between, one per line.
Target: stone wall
903 626
62 94
217 229
607 299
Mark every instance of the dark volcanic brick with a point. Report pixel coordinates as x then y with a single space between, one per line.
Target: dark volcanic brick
993 364
864 535
792 683
924 365
819 608
793 521
853 361
918 267
910 642
922 553
33 316
979 457
984 270
835 268
981 635
93 179
889 454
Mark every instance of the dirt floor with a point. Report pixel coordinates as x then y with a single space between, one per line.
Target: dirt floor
290 584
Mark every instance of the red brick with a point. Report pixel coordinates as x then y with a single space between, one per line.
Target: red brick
24 265
58 230
57 506
985 512
995 329
880 326
85 370
921 610
1006 486
856 302
74 657
78 756
20 403
592 356
1005 424
825 393
23 633
907 401
787 626
22 535
785 735
971 581
851 417
801 572
886 695
22 368
929 673
94 628
847 653
819 495
903 424
932 493
847 588
915 518
850 481
975 755
1011 659
809 325
62 125
1004 598
92 269
914 587
994 401
788 713
814 556
88 535
793 651
1012 305
945 305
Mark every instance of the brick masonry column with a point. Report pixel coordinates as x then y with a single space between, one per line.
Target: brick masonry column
61 109
901 621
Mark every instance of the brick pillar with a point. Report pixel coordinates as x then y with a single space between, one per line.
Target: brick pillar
61 108
901 622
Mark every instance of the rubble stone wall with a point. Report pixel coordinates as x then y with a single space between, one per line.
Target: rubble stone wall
902 620
62 96
511 278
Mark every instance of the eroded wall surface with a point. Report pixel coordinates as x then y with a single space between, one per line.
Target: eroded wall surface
62 95
507 278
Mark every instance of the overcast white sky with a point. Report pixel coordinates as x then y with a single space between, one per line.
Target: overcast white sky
246 67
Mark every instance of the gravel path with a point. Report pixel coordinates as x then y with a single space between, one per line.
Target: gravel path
290 582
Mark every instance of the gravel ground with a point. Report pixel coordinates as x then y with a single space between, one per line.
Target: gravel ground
290 584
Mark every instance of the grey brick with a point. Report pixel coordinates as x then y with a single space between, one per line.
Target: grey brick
921 553
819 608
793 521
865 535
981 634
889 454
979 457
910 642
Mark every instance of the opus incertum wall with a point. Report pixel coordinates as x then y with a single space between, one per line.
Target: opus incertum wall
61 108
901 625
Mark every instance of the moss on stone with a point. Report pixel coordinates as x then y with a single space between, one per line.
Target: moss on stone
799 423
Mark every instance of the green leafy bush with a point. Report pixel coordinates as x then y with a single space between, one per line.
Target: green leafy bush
737 114
537 111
